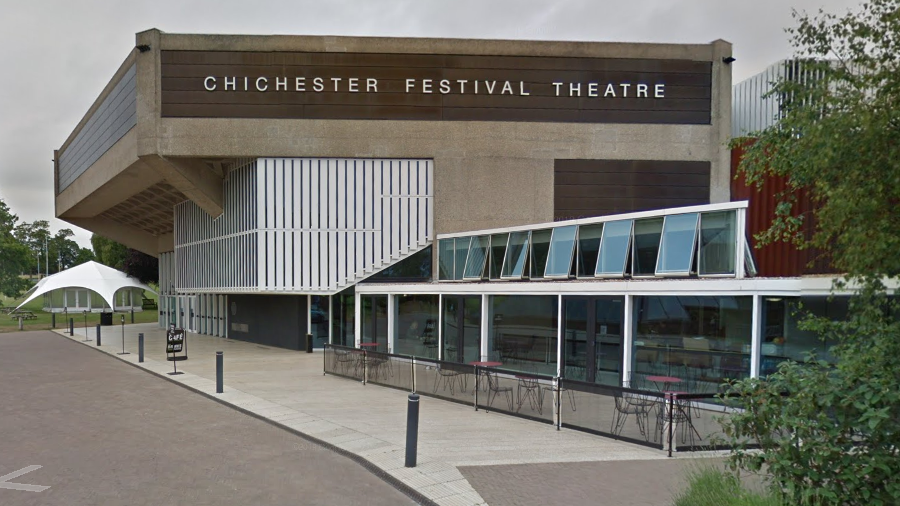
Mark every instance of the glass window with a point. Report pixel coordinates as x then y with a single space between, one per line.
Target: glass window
698 339
415 327
97 300
676 251
446 252
416 267
318 318
749 263
374 321
559 258
462 251
523 332
782 338
514 262
646 246
588 248
343 317
477 256
616 239
717 241
498 251
82 298
540 247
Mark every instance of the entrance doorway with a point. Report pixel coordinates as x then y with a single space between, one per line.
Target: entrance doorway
593 339
461 329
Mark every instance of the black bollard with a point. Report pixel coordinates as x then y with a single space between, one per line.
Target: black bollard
72 327
220 359
123 338
412 429
141 347
98 334
309 343
132 316
53 320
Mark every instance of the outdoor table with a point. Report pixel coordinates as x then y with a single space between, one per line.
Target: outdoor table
664 380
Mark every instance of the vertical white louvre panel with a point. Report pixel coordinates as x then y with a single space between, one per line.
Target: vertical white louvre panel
301 225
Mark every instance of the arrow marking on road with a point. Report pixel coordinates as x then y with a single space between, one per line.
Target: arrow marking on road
5 483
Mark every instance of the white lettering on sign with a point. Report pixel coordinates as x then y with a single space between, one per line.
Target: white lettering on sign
444 86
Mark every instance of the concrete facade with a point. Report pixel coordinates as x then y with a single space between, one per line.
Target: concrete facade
486 174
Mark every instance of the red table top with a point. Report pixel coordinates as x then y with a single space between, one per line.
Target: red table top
664 379
368 344
487 364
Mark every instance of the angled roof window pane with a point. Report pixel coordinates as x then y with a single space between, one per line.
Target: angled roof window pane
462 251
717 242
478 251
588 248
514 261
498 251
540 247
559 259
749 263
679 240
446 255
614 246
646 246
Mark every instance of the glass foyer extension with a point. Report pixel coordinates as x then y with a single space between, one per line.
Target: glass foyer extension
619 300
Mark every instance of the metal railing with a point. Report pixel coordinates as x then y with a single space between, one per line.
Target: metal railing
670 421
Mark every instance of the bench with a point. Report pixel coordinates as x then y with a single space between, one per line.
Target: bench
148 304
25 315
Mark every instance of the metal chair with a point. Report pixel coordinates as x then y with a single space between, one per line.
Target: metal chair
628 404
529 389
495 389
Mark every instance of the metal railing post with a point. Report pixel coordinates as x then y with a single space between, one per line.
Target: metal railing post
671 404
558 403
476 388
365 367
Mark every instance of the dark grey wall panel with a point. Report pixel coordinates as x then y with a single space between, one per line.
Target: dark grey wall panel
110 122
273 320
585 188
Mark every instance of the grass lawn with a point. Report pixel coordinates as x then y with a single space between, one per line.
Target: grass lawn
43 322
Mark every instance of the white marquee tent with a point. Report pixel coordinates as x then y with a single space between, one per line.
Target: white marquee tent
89 287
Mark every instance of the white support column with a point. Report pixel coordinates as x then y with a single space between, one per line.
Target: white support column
485 325
741 238
440 325
330 321
391 320
627 340
755 336
559 335
357 319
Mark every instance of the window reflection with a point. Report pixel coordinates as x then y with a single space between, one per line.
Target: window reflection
540 247
415 330
523 332
782 337
699 340
614 245
679 238
588 248
514 263
646 246
559 258
717 240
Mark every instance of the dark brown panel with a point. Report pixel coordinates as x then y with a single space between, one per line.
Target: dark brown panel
585 188
529 96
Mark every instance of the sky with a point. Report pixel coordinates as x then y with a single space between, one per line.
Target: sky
57 55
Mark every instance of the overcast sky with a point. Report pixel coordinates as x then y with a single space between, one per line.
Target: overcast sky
56 56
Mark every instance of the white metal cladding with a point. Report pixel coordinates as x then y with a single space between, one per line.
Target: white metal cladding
305 225
215 254
328 223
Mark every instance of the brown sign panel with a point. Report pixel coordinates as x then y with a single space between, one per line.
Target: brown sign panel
585 188
224 84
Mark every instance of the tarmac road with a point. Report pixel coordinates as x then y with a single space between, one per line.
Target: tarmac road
106 433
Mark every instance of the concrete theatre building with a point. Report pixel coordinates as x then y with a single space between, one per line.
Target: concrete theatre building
388 190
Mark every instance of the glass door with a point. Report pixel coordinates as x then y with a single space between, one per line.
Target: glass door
593 339
461 329
374 322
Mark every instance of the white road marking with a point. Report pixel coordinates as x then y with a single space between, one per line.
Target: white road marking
5 483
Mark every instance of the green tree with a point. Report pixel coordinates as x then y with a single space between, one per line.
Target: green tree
65 253
108 252
35 236
15 256
830 434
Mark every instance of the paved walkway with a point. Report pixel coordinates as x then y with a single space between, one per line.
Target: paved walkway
288 387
